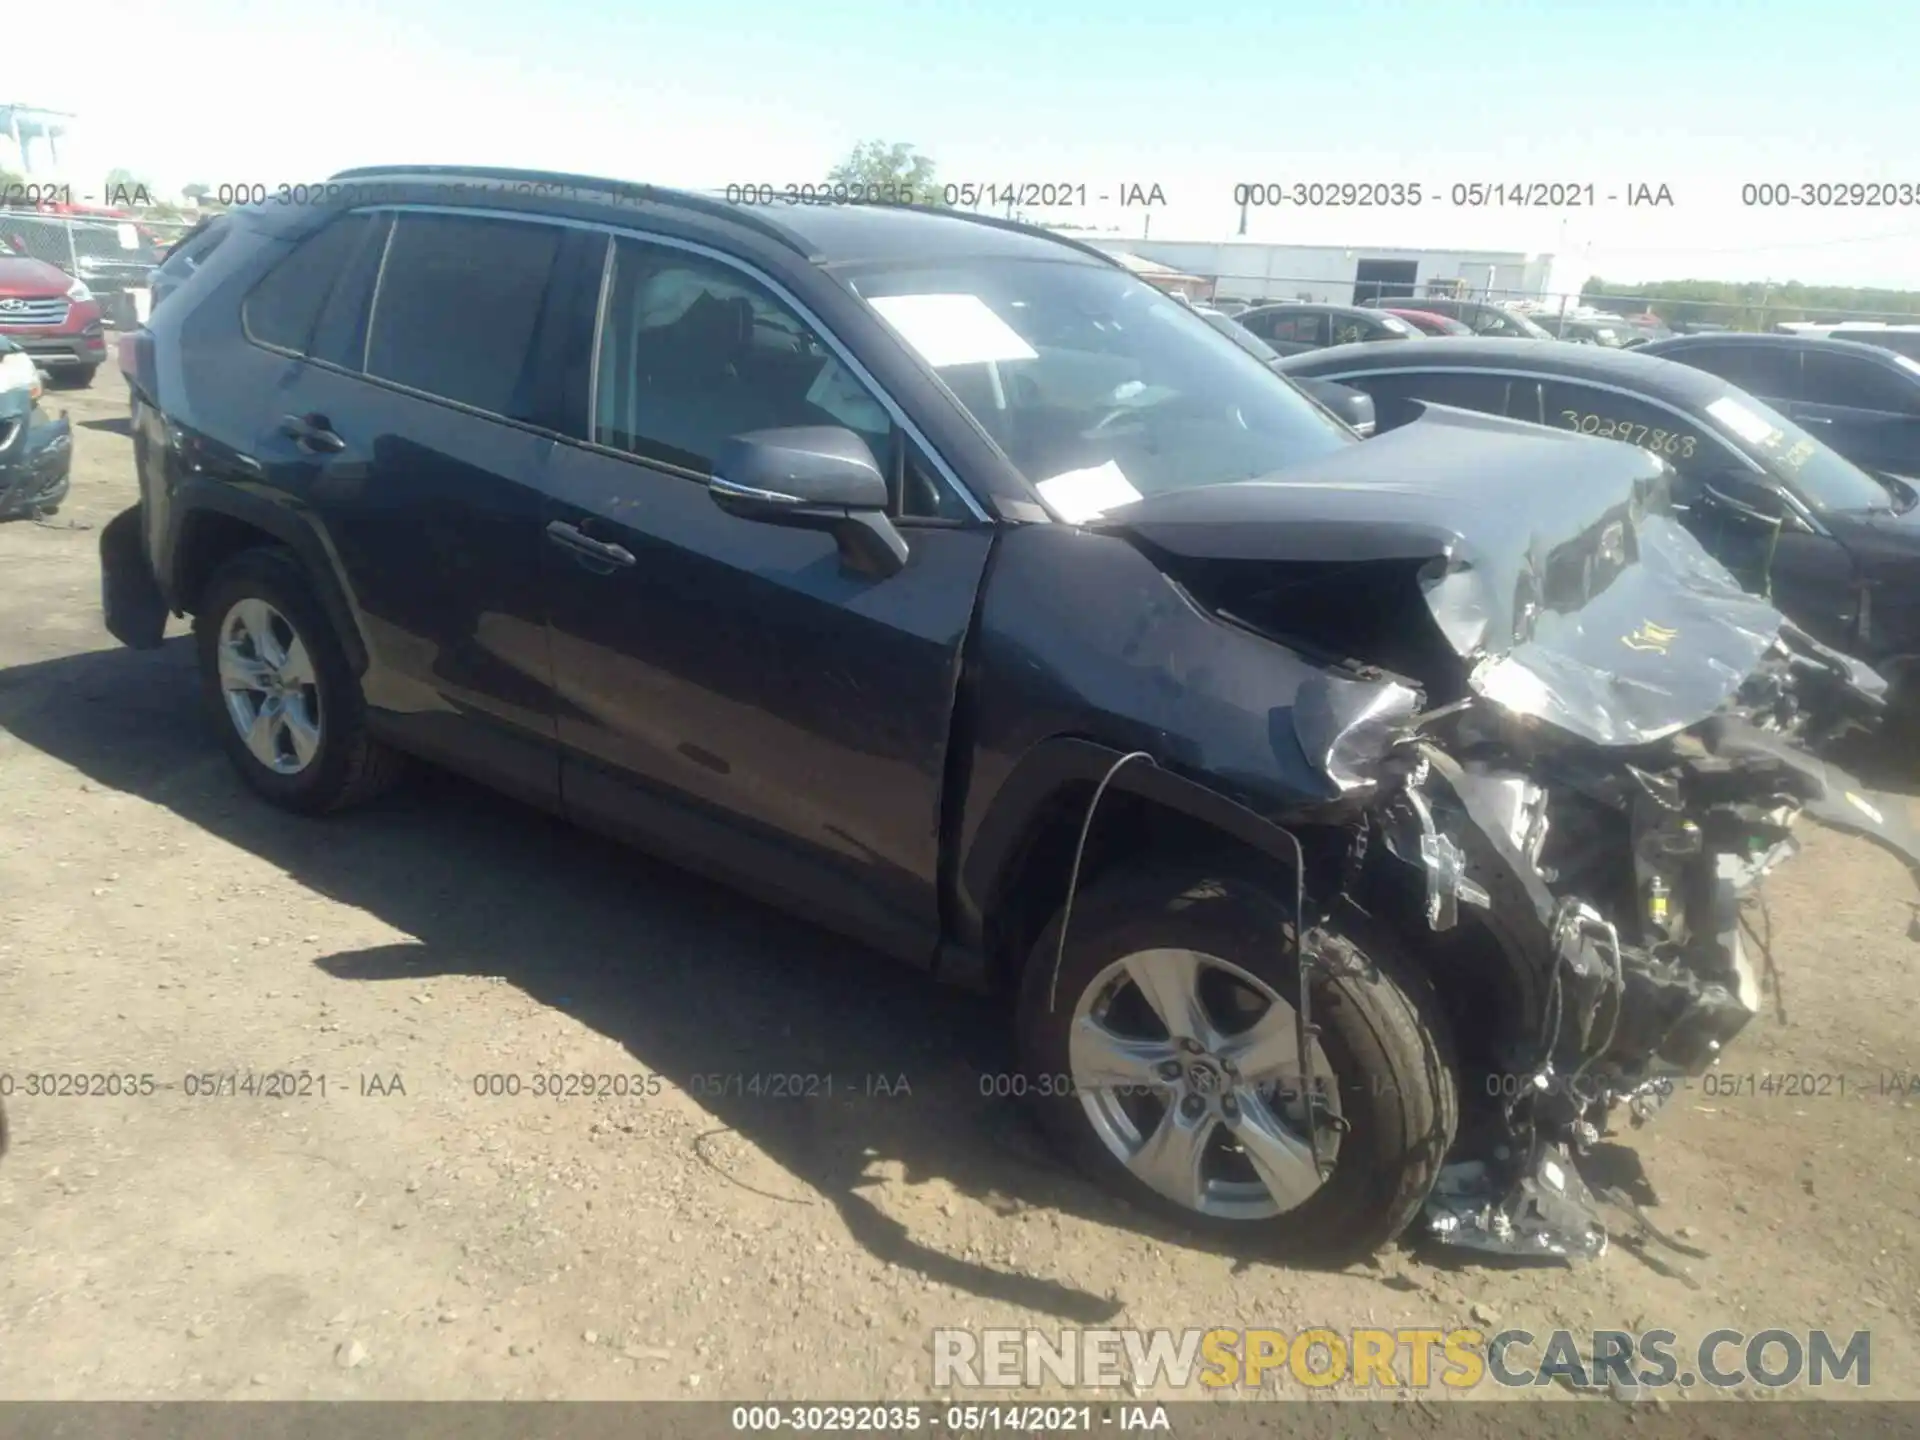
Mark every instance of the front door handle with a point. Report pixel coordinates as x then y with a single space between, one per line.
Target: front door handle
1816 419
312 433
573 538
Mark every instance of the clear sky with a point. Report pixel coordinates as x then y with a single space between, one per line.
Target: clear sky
1195 97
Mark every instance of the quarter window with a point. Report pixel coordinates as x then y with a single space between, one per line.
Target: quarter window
281 309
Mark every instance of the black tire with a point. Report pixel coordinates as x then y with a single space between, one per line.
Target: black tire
77 378
1382 1035
349 767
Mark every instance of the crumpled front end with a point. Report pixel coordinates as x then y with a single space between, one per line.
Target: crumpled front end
1585 748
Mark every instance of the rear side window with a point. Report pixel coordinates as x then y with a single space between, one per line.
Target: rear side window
281 310
458 300
1393 394
1901 342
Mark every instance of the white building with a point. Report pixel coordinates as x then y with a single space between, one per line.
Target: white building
1242 270
32 139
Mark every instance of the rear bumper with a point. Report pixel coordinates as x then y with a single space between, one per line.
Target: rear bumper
130 600
36 465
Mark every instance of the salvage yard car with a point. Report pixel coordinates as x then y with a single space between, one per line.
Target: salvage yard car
1862 400
1293 327
933 576
1835 548
36 449
53 317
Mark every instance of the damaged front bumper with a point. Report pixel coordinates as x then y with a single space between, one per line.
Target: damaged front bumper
1644 975
36 463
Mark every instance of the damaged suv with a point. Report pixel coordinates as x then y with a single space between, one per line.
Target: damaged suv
1352 826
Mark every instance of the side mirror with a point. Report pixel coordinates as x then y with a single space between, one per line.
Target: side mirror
812 477
1742 493
1355 407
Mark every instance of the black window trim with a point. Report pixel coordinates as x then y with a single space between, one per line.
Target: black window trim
674 242
1711 430
833 342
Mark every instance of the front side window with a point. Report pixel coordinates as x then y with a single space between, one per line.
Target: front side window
456 306
1607 415
1845 380
693 351
1095 386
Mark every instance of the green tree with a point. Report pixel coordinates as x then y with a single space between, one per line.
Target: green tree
1754 304
878 167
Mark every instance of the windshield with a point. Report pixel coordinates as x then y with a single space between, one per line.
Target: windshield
1097 387
1820 476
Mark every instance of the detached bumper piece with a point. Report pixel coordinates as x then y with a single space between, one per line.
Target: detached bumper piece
1543 1211
36 465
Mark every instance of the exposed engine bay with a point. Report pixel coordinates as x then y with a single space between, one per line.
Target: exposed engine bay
1573 740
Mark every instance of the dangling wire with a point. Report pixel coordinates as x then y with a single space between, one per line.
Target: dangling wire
1073 876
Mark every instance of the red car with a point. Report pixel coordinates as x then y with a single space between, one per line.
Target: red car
51 316
1431 323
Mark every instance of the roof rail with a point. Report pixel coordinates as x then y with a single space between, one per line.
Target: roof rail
1019 227
629 190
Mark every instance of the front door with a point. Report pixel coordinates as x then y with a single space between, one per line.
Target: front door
731 693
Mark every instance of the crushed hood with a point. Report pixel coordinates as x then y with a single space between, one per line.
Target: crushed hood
1550 562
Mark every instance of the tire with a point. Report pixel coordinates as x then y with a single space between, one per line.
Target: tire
77 378
1383 1055
343 764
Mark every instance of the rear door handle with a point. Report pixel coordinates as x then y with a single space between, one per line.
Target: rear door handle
312 433
1816 419
572 537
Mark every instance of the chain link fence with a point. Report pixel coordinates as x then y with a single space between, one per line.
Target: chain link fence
114 258
1760 314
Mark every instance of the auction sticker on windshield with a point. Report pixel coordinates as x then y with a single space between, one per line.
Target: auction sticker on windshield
1081 495
1742 421
952 329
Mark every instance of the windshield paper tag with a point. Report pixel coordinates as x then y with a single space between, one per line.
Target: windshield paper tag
1080 495
952 329
1742 421
840 395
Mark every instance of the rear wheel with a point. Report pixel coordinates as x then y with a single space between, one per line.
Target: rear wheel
1166 1061
284 700
77 377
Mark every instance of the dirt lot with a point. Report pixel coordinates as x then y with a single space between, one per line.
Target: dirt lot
404 1236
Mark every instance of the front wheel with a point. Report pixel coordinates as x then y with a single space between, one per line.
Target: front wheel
1164 1058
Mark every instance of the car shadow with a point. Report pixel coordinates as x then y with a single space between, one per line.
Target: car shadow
692 979
110 425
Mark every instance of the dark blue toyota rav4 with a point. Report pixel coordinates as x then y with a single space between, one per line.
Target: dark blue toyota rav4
934 577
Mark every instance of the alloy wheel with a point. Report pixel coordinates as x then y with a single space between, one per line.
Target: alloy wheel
1188 1068
271 691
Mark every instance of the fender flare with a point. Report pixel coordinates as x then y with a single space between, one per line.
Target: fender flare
1066 760
198 498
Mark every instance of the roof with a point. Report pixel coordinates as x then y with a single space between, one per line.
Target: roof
831 235
1308 307
1633 369
1723 339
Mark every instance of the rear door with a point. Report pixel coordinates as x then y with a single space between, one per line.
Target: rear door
731 694
1869 412
410 433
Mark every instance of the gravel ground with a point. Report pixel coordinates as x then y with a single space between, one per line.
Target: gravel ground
403 1236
